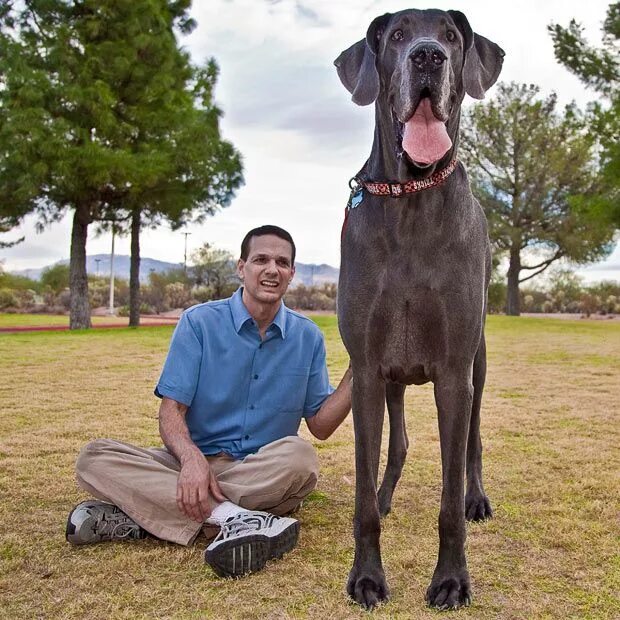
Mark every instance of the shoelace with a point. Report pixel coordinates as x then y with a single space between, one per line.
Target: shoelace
241 523
117 525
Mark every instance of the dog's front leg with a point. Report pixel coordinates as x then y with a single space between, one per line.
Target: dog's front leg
367 585
450 587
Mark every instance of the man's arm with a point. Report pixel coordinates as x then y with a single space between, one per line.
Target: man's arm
197 488
334 409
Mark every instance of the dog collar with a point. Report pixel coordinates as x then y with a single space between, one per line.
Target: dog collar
410 187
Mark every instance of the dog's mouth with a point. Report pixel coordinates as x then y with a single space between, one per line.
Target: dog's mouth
423 138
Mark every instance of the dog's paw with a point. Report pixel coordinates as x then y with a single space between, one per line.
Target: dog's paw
477 507
368 589
449 592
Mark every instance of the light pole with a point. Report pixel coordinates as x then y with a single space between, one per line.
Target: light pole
97 261
185 253
111 308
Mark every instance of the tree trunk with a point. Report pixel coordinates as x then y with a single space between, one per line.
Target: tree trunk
134 270
513 302
79 316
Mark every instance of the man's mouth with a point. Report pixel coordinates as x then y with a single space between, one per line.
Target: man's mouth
270 283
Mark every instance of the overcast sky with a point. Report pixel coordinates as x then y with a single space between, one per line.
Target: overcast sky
300 135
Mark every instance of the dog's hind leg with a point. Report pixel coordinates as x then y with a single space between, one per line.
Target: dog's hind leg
477 505
397 451
366 584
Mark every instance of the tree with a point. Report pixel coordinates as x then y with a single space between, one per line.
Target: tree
215 268
56 277
95 101
526 160
599 70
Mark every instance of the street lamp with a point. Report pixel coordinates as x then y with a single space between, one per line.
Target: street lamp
97 261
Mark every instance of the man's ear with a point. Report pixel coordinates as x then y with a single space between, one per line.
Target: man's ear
240 264
356 65
483 58
292 273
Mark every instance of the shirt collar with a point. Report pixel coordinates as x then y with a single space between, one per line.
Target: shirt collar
241 315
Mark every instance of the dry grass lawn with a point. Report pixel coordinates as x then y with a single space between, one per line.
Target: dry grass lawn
551 435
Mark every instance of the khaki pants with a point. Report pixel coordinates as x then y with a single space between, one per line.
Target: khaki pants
142 482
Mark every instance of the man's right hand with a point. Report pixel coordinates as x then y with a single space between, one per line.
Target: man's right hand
197 489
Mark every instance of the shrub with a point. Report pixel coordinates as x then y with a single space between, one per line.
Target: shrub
8 299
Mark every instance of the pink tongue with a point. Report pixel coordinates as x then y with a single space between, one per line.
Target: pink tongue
425 138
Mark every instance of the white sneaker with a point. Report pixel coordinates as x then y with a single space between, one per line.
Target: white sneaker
248 540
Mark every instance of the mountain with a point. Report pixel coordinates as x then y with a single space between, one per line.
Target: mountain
99 264
315 274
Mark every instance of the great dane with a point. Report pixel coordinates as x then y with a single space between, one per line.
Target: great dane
413 279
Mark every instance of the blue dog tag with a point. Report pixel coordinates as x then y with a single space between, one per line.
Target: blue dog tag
356 198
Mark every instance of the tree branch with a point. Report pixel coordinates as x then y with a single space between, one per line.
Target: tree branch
535 274
545 263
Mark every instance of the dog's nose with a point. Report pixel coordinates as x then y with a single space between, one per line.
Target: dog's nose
427 57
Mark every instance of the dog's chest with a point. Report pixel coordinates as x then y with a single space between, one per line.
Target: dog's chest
414 283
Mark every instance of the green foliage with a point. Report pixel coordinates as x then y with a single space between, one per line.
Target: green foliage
8 299
526 161
18 283
214 269
102 112
599 70
56 277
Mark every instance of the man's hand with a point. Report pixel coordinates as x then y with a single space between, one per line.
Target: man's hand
197 489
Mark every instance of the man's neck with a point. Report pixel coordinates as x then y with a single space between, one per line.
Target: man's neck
262 313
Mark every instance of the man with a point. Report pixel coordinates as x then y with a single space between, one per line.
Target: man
239 376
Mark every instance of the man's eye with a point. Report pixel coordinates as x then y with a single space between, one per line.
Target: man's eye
397 35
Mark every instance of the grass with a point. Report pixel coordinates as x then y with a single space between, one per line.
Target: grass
36 320
551 437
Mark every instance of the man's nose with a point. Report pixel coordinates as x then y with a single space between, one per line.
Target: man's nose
427 56
271 267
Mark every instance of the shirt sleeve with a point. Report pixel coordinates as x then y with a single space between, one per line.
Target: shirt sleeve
318 382
179 377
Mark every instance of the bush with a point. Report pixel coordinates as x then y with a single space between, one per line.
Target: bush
144 309
8 299
312 297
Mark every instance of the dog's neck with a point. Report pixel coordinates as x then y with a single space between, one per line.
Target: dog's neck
387 162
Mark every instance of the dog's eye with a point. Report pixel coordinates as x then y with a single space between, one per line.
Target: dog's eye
450 35
397 35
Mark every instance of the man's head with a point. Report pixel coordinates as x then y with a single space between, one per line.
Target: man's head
261 231
267 264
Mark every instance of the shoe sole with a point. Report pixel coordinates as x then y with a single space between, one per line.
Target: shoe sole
235 559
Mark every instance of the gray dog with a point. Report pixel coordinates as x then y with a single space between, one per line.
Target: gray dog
414 274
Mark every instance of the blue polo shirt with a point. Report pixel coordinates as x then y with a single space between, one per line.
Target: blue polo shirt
243 393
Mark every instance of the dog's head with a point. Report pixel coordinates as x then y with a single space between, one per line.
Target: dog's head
418 65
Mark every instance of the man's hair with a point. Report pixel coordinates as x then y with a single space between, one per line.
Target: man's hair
261 231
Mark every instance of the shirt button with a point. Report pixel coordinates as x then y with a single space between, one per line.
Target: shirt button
256 376
251 406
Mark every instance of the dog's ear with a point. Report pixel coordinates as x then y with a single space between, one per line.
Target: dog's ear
483 59
356 65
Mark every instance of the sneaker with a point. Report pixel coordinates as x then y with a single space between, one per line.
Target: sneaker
248 540
93 521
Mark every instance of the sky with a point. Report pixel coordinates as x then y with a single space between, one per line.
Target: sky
300 135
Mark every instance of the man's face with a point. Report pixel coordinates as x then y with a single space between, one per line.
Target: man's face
268 269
